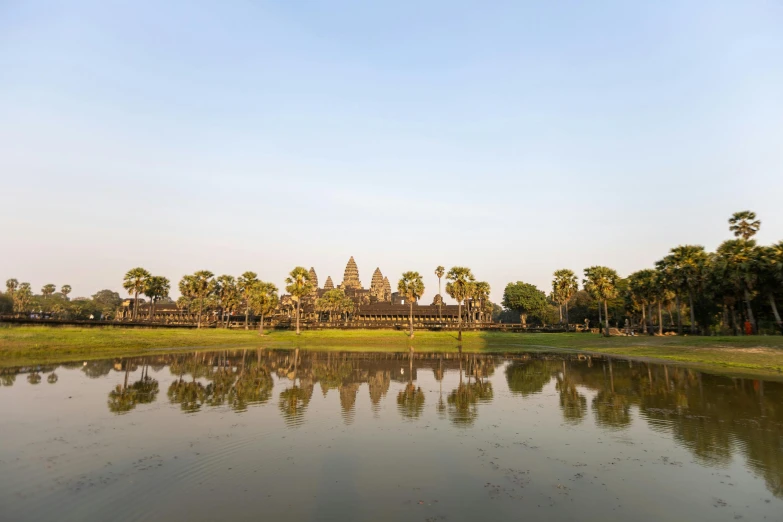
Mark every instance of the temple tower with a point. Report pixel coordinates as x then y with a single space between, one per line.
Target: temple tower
386 290
328 285
313 281
351 276
376 286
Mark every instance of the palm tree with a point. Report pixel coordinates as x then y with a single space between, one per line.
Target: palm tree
22 298
48 290
65 290
686 265
737 262
481 291
156 288
227 293
245 284
439 271
460 280
298 285
641 285
411 287
772 276
744 224
564 286
603 282
134 282
10 287
198 286
263 299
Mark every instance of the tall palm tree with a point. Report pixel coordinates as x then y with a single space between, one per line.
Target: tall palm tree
10 287
460 280
744 224
411 287
227 293
603 281
246 283
48 290
156 288
640 285
772 276
737 262
134 282
439 272
298 285
263 299
198 286
481 291
564 286
687 267
65 290
22 298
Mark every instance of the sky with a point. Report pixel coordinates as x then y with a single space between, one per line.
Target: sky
512 137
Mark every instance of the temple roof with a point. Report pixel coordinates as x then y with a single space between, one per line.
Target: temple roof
329 285
313 278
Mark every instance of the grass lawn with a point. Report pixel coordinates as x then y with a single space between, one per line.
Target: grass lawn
38 344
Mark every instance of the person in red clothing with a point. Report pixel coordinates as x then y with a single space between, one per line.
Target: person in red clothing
748 328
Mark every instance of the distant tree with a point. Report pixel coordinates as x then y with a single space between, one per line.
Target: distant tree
641 287
10 287
603 281
228 296
771 276
686 265
65 290
298 285
134 282
156 288
525 299
737 264
107 301
48 290
245 285
564 286
331 301
744 224
439 272
411 287
263 300
22 298
481 291
198 287
460 280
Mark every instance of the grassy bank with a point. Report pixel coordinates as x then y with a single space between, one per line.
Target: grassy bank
23 345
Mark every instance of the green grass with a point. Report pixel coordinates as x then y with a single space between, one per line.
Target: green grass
23 345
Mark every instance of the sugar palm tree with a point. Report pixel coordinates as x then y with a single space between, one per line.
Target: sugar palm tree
481 291
134 282
156 288
411 287
687 267
198 287
771 276
65 290
603 282
48 290
744 224
640 285
263 299
564 286
245 284
22 298
439 272
460 280
10 287
227 293
737 262
298 285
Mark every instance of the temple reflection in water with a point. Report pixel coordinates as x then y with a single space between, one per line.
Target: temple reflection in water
714 417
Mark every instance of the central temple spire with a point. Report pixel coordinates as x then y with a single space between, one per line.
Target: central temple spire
351 276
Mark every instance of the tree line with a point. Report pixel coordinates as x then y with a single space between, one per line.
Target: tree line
732 290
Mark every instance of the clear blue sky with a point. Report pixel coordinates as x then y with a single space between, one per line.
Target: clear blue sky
512 137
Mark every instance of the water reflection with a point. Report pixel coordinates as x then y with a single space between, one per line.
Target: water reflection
716 418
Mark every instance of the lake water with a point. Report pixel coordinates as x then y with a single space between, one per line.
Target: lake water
269 435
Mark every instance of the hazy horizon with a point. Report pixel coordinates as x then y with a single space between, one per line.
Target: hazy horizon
513 138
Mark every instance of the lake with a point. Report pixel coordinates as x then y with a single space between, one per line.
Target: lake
287 435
